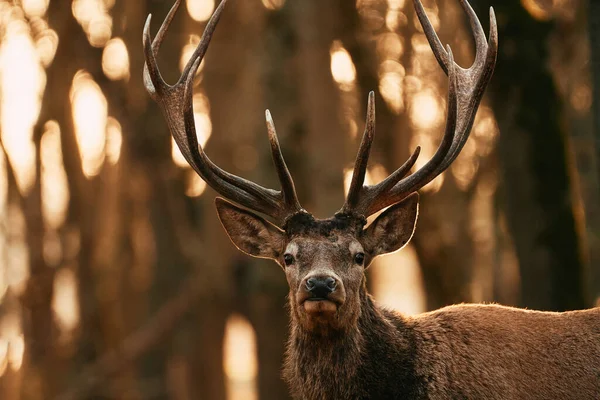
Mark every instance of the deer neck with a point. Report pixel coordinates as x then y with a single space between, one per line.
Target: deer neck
328 366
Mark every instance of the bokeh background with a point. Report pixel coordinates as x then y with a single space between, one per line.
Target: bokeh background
116 279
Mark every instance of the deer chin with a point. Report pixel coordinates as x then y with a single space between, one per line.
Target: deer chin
320 316
319 307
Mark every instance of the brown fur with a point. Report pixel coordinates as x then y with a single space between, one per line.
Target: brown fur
362 351
458 352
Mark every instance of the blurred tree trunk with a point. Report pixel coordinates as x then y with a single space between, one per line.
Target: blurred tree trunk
229 78
569 61
324 144
593 13
56 105
361 44
11 307
442 240
147 147
101 231
535 180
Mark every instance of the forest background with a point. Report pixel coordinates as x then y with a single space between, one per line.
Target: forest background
116 279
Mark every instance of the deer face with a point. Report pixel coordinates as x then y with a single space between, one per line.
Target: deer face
324 260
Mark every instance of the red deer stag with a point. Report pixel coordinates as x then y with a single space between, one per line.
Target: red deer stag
342 344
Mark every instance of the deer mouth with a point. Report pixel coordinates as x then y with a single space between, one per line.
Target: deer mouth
319 306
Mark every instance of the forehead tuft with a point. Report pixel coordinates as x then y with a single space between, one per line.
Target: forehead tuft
331 228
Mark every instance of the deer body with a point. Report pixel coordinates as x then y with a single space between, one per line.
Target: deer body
343 346
458 352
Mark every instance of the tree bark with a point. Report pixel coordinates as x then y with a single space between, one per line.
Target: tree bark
534 176
594 224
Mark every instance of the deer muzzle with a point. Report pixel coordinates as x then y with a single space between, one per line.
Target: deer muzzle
321 294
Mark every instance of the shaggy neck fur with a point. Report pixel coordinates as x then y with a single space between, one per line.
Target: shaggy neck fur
378 351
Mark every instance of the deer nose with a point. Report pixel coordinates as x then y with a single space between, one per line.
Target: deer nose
320 286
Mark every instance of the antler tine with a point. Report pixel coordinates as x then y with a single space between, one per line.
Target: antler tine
434 41
432 168
176 103
204 41
478 33
472 81
153 80
229 185
376 197
359 195
465 90
362 158
285 178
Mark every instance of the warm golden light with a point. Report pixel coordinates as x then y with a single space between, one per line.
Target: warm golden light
203 128
390 46
425 110
22 82
397 281
342 67
391 89
538 10
240 360
55 189
35 8
188 50
17 268
273 4
200 10
95 20
581 98
84 10
100 30
195 185
114 140
115 60
396 4
3 233
16 349
46 45
465 167
90 115
485 130
3 184
375 174
432 13
53 248
12 334
177 156
64 302
428 149
3 356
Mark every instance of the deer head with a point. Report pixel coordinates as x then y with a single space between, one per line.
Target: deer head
325 260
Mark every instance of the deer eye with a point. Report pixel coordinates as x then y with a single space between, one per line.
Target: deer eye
288 259
359 258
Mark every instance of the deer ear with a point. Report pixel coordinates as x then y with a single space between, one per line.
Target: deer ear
249 232
393 228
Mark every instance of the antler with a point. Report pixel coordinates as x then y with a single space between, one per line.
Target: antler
176 102
465 90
